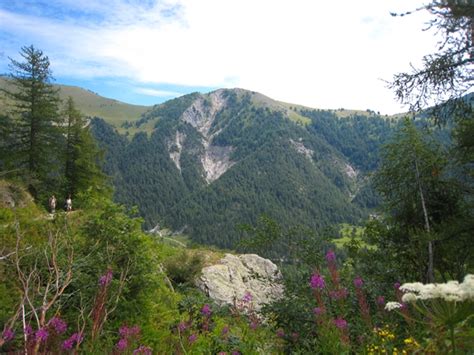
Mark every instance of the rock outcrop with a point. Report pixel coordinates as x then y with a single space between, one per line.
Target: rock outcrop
235 276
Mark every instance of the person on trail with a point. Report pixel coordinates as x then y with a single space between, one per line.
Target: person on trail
69 203
52 204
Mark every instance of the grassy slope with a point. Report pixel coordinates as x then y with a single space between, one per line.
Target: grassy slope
112 111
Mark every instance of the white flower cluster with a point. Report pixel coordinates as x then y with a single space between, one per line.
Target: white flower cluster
390 306
452 291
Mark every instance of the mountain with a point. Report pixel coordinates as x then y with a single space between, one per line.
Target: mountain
92 105
209 162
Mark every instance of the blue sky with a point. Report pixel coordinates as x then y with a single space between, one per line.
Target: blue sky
320 54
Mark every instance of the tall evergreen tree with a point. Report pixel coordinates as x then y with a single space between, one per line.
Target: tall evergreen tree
417 195
81 154
34 116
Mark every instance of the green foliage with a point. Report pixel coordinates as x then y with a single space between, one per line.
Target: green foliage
183 267
35 122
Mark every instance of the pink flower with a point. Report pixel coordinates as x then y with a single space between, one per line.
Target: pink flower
41 334
317 281
330 256
396 285
28 330
381 301
206 310
105 279
69 343
142 350
8 334
182 326
122 344
225 330
247 297
192 338
253 325
340 323
58 324
318 311
358 282
280 333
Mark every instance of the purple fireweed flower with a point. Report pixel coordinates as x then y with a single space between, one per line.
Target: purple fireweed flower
105 279
317 281
122 344
381 301
126 332
318 311
340 323
67 344
396 285
225 330
280 333
182 326
222 353
192 338
247 297
358 282
235 352
28 330
253 325
58 324
41 334
330 256
8 334
206 310
142 349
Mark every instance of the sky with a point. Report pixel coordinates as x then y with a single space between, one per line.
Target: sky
322 54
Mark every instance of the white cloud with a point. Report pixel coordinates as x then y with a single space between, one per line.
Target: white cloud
157 93
320 54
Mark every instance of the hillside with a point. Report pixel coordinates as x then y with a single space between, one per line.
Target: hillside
207 163
93 105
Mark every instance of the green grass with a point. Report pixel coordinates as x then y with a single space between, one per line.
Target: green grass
91 104
351 233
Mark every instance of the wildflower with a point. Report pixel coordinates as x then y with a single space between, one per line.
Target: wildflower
381 301
390 306
142 349
225 330
330 256
409 297
126 332
69 343
253 325
182 326
411 342
58 324
105 279
192 338
318 311
247 297
317 281
42 334
396 285
122 344
235 352
280 333
340 323
358 282
8 334
206 310
28 330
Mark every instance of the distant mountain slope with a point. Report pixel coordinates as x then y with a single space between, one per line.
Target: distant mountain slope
209 162
91 104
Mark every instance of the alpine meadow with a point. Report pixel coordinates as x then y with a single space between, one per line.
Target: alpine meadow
219 220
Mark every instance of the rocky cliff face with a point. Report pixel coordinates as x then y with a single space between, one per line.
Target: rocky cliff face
236 277
201 114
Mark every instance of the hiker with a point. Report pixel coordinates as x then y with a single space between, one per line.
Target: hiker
69 203
52 204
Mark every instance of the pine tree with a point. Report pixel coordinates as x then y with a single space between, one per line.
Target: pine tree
81 156
34 116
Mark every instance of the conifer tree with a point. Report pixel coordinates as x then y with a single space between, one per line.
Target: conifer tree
34 117
81 155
